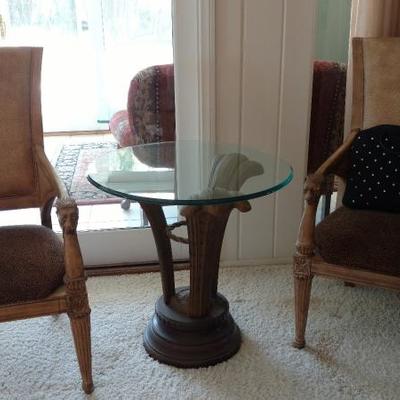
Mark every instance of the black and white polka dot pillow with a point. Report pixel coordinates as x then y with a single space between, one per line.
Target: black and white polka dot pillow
373 181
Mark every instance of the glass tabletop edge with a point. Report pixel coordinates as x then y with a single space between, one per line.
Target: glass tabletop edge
200 202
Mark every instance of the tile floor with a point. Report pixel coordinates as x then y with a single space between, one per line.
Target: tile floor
91 217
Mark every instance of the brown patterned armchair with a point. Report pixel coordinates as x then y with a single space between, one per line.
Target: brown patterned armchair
150 114
39 273
349 244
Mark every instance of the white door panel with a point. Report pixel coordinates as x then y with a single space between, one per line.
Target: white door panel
123 247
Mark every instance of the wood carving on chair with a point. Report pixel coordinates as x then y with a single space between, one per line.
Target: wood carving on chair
302 266
77 299
68 215
74 279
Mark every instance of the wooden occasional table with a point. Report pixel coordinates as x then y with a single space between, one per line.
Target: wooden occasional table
191 326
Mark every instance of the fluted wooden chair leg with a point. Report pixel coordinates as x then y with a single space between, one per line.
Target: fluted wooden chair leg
302 291
79 315
81 332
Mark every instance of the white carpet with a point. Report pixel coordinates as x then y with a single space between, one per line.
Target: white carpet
353 347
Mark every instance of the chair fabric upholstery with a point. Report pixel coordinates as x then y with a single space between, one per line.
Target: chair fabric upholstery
23 179
31 263
14 101
376 83
360 238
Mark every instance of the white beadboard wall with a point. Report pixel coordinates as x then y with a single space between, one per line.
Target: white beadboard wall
264 52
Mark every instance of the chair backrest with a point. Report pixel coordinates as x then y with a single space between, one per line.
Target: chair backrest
376 82
23 179
151 104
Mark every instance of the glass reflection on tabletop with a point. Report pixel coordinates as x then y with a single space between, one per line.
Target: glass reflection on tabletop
188 173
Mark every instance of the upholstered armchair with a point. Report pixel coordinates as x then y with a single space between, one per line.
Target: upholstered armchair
40 274
358 246
150 114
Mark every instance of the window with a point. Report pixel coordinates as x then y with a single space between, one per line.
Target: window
92 49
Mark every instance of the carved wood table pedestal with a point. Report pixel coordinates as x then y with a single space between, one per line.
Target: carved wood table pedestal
192 326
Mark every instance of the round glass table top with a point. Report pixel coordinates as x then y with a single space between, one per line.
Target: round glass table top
188 173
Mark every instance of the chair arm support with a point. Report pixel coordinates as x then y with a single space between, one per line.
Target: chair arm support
68 215
74 279
312 192
314 186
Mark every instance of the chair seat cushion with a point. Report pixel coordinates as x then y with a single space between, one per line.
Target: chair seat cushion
31 263
361 238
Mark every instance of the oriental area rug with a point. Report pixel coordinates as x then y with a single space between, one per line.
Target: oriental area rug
352 350
72 167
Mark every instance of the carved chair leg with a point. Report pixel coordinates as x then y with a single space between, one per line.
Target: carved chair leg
79 315
75 287
302 290
81 332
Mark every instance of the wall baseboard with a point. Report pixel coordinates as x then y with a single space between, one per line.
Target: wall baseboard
257 262
122 269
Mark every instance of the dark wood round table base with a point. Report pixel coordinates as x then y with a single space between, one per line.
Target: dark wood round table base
174 338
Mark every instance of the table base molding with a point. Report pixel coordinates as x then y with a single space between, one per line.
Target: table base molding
176 339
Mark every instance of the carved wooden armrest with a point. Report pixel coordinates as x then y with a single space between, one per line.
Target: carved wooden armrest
68 215
314 186
332 163
74 279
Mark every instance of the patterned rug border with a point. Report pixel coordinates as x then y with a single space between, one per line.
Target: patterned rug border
69 166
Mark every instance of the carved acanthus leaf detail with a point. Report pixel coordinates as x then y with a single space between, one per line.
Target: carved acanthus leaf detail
302 267
77 298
